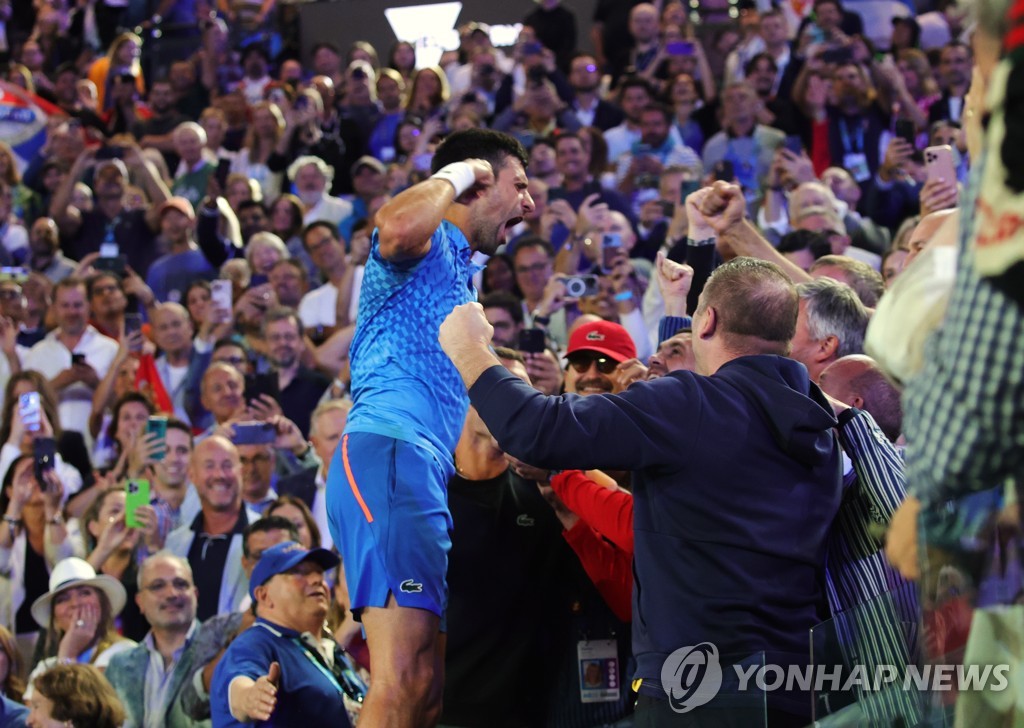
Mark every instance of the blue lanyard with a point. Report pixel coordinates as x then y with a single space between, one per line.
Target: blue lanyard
845 134
309 656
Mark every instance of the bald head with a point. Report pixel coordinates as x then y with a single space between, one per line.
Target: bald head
858 381
222 391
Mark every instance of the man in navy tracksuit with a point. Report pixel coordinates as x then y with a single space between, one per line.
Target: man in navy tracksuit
737 480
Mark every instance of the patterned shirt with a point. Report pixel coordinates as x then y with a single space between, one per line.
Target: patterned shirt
964 419
403 385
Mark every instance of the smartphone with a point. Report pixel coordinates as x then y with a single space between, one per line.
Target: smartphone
133 325
532 341
223 170
611 243
532 49
301 102
44 452
838 55
580 286
938 162
30 410
221 294
113 264
109 250
679 48
724 171
158 426
687 188
258 279
906 131
253 433
794 143
266 383
136 493
77 359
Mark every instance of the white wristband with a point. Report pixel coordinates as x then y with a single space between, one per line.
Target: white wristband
459 174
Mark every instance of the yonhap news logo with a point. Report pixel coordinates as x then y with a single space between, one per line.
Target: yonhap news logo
692 676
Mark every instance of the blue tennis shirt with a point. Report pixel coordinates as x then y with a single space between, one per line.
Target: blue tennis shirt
403 385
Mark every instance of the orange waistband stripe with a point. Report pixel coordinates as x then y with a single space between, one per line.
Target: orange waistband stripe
352 481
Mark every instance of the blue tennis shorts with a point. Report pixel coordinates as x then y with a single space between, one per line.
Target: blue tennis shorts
387 502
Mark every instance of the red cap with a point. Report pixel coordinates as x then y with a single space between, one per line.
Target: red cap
604 337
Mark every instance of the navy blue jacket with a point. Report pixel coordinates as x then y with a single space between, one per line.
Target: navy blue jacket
737 478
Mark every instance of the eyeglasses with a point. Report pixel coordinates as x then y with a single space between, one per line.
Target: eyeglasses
535 268
582 363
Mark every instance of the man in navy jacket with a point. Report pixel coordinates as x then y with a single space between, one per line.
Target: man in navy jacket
737 481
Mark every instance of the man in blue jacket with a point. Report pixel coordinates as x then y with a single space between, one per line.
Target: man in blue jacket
737 481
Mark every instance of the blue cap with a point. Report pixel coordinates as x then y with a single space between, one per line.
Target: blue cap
284 556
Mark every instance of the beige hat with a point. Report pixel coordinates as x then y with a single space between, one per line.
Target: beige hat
74 571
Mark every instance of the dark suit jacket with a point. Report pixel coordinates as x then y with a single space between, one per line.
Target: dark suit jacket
606 115
939 111
302 485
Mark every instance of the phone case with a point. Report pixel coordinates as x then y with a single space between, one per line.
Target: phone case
136 494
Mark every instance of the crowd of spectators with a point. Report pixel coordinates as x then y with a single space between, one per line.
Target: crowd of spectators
182 264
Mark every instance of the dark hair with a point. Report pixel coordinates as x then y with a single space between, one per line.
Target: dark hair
494 146
47 401
760 57
249 203
656 108
816 242
307 516
533 241
67 67
229 341
173 423
506 301
325 44
91 281
8 481
296 209
635 82
754 300
501 259
265 524
330 227
14 684
282 313
81 696
503 352
124 400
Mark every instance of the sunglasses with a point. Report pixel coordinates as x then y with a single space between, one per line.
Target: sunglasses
582 363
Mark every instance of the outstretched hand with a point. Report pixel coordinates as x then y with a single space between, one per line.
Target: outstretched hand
261 698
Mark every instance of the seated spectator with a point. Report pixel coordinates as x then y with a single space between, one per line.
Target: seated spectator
573 159
289 282
219 631
110 221
333 305
44 254
212 543
12 670
191 183
33 539
127 421
263 252
744 142
297 512
13 235
72 462
858 380
312 178
122 57
157 132
75 695
25 203
640 168
77 616
634 95
166 655
284 573
184 262
505 313
74 377
113 548
261 138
